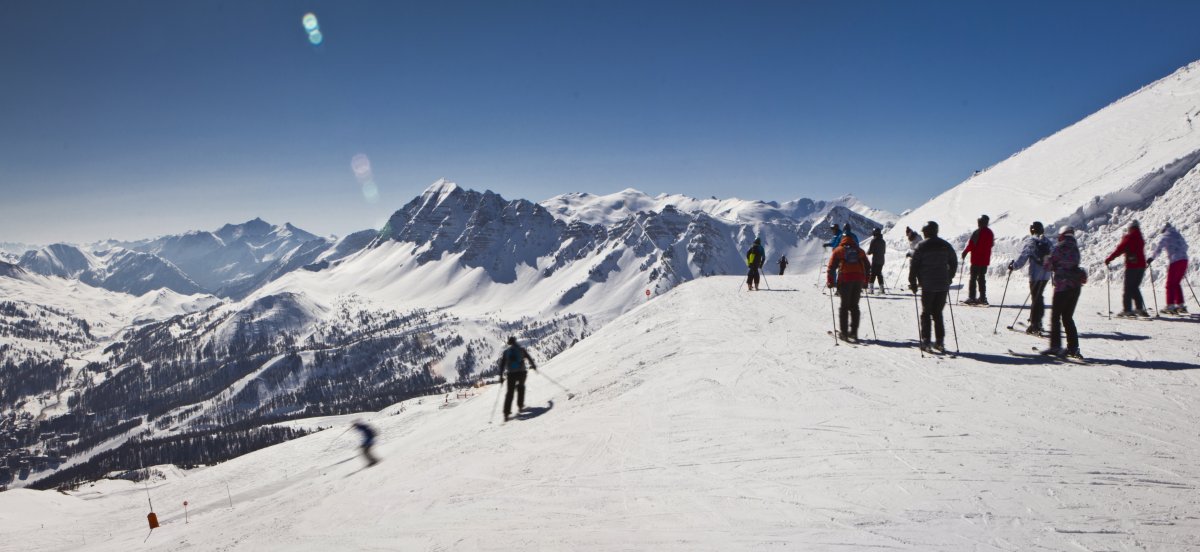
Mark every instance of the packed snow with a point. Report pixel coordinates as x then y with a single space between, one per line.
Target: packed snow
712 418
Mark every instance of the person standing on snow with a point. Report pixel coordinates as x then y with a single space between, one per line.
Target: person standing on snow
1068 283
756 258
782 264
837 236
1177 262
933 267
1134 249
1036 249
512 365
368 441
877 250
849 263
980 248
846 231
914 239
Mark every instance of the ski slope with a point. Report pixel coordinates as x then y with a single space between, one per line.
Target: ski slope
712 418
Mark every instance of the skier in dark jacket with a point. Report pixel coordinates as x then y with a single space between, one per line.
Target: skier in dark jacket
512 366
368 441
1133 247
782 264
756 258
1068 282
846 231
1036 250
849 263
980 249
933 266
877 250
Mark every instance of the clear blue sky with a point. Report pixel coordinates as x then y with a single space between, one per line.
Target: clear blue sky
135 119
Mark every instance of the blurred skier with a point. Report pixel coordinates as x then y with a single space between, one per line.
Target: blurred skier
1134 248
782 264
1036 249
877 250
849 263
1177 261
1068 283
933 267
368 441
756 258
512 365
980 248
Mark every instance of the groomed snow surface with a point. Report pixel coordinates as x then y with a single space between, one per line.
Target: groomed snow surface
718 419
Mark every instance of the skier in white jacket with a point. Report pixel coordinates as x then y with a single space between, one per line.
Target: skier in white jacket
1177 261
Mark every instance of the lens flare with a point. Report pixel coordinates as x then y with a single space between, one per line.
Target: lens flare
315 38
370 192
310 22
361 166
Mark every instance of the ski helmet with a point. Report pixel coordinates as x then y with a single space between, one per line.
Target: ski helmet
1135 224
983 220
512 341
930 229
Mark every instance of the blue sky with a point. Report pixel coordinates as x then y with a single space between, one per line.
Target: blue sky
135 119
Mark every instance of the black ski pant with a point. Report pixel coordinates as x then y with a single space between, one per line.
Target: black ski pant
978 277
876 275
1037 302
1133 289
849 292
932 303
1062 316
752 278
516 382
366 450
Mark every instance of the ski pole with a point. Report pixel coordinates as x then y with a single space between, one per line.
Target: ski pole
1193 290
954 326
901 273
960 284
1153 291
819 268
335 439
1027 297
496 404
1108 289
917 309
833 317
996 328
763 274
872 315
570 395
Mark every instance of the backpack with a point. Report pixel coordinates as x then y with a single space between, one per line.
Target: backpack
512 359
1041 249
852 255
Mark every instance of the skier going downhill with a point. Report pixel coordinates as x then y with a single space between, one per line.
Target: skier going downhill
849 263
1035 251
1068 283
933 267
980 249
756 258
1133 247
1177 258
368 441
512 366
782 264
877 250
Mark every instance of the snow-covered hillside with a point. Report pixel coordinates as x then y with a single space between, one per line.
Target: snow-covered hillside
1137 158
717 419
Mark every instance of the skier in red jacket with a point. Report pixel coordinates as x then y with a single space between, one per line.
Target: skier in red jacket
980 248
1133 247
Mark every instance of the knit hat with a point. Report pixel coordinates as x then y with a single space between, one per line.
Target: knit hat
1135 224
1037 228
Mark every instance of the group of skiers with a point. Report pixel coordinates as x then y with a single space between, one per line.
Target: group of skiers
934 264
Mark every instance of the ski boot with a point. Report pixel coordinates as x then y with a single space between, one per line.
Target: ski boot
1126 314
1054 352
939 348
1142 313
1073 352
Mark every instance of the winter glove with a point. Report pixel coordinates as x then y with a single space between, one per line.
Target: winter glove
826 246
913 287
1010 266
964 256
532 367
501 379
908 255
829 284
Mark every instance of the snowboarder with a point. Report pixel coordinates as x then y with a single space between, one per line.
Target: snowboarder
877 250
756 258
368 441
782 264
980 248
1068 283
512 364
1177 258
849 263
1036 249
933 267
1134 249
